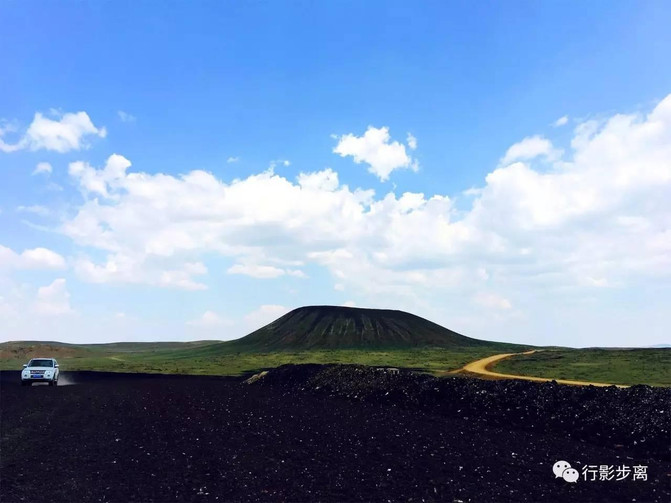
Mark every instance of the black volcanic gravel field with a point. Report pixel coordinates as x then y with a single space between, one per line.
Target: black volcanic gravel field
325 433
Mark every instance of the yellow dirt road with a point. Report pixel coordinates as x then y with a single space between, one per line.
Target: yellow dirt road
482 367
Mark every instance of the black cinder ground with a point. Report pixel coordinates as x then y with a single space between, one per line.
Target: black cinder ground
308 437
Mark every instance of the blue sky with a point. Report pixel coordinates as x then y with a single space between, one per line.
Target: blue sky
500 168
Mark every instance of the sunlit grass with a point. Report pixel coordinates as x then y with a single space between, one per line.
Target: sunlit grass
616 366
635 366
236 363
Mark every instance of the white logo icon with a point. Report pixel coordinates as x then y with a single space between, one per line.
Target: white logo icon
563 469
570 475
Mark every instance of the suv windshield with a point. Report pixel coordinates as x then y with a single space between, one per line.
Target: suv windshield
41 363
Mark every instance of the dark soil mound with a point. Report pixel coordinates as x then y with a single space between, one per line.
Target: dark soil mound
638 418
316 327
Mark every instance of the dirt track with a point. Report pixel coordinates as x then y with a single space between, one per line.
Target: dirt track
483 366
153 438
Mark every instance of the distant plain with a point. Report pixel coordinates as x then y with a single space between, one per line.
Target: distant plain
617 366
332 334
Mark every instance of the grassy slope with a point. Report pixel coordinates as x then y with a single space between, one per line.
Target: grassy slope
617 366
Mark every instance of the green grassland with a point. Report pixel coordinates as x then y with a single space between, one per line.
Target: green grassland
616 366
221 359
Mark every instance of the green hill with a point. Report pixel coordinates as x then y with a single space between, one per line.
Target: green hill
334 327
314 334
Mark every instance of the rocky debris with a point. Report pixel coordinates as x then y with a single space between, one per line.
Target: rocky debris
638 417
256 377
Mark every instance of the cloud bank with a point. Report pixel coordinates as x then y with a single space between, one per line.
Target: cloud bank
597 217
551 225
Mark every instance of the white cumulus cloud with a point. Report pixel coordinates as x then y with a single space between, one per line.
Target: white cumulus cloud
411 141
562 121
67 132
210 320
54 299
35 258
530 148
492 300
42 168
376 149
123 268
264 271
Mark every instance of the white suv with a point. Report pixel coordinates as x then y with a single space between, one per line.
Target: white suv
40 370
